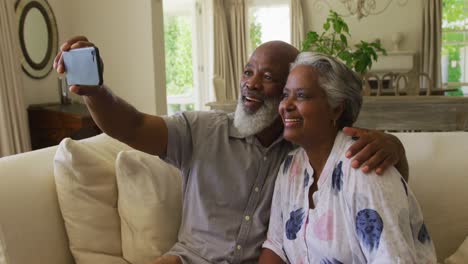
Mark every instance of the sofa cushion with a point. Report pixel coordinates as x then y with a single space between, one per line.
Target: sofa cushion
438 178
150 205
460 256
87 194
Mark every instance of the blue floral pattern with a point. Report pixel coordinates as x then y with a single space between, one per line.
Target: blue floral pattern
306 178
337 178
293 225
287 163
369 227
423 235
346 196
332 261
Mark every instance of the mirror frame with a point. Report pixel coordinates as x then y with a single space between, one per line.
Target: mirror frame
31 68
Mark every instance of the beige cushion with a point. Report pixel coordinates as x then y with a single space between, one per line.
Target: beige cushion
29 213
87 194
460 256
439 179
150 205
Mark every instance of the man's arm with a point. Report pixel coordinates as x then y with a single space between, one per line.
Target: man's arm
269 257
122 121
113 115
376 150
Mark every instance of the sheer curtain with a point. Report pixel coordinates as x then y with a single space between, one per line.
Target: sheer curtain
431 44
230 47
222 64
237 37
297 24
14 131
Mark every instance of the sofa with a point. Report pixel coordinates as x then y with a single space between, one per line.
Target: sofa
32 228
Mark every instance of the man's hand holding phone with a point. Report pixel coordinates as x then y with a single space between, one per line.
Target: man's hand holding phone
80 60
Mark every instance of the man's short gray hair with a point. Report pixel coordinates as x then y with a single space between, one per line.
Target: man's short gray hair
341 84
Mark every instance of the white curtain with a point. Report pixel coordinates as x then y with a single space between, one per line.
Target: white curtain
431 44
238 39
230 47
14 131
222 65
297 24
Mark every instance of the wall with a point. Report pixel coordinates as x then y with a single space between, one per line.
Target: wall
46 90
406 19
123 31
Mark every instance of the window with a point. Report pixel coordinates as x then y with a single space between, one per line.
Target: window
454 53
185 41
267 20
179 74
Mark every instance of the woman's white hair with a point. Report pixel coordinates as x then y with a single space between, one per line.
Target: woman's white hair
341 84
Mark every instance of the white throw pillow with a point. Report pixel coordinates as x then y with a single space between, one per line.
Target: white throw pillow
150 205
87 194
460 256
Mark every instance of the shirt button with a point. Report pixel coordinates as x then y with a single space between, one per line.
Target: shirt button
265 158
247 218
239 247
256 189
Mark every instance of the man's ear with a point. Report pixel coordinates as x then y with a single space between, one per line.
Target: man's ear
338 111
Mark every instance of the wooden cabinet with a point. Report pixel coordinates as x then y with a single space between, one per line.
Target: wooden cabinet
50 123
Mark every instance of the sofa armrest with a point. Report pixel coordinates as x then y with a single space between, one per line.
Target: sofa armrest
29 214
30 219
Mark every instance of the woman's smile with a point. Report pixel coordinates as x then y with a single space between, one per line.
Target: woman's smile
292 122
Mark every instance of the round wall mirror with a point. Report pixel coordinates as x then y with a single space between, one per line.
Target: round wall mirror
38 36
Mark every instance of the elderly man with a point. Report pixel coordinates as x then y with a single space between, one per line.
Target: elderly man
228 162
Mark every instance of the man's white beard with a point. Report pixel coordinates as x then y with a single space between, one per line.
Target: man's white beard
252 123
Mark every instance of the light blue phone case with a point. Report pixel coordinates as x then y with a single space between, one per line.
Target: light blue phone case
82 66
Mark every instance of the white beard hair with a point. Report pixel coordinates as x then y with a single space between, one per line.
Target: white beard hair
250 124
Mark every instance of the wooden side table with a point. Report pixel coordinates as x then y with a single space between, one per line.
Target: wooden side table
50 123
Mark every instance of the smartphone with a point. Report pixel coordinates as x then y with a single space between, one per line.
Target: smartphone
83 66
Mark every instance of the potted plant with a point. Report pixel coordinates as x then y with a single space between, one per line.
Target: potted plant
334 41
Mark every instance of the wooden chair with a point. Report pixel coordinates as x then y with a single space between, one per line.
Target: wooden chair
401 83
366 91
430 84
391 77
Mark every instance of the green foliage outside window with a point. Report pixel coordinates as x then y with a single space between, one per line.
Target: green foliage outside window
255 33
178 49
174 108
453 11
453 20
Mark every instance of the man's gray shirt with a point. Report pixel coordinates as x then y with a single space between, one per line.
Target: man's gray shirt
228 183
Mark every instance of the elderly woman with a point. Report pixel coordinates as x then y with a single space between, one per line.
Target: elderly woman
324 211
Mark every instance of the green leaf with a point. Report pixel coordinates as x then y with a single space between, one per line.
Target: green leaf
337 27
305 45
345 28
344 39
333 41
360 66
313 36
